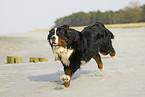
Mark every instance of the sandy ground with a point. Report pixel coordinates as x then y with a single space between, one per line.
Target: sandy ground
123 77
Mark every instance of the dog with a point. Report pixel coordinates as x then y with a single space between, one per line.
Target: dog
75 48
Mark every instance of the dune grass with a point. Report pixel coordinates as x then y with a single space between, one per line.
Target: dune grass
125 25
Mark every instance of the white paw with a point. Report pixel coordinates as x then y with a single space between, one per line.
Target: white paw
114 57
65 78
83 62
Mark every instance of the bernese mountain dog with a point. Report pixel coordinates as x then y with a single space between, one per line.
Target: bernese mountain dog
75 48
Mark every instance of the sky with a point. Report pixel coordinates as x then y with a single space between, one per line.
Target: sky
17 16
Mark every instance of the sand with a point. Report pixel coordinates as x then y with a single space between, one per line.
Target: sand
123 77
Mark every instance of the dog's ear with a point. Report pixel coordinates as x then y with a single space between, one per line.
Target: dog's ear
66 26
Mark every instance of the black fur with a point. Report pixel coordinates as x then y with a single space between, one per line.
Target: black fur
86 44
98 40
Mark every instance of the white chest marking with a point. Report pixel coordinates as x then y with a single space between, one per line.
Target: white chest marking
64 53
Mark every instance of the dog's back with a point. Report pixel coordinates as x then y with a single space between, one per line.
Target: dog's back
98 40
99 29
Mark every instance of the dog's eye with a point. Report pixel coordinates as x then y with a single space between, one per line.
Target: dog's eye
58 33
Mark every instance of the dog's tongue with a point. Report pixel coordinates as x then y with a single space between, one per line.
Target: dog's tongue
54 44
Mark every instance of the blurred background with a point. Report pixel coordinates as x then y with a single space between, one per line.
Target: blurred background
24 26
17 16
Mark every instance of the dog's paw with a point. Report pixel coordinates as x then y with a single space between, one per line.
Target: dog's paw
114 57
65 78
83 62
101 69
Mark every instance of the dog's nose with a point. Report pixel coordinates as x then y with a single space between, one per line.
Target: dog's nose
53 38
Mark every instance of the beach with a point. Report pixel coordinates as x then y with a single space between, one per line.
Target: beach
123 77
24 45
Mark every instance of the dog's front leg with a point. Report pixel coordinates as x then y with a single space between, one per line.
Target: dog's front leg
67 77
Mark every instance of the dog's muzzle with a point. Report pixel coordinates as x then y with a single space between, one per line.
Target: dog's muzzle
53 38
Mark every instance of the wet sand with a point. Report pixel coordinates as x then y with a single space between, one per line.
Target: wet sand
123 77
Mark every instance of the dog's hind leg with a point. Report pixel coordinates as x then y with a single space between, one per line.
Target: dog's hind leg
113 53
98 60
108 49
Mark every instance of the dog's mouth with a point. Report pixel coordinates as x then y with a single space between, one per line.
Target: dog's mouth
55 44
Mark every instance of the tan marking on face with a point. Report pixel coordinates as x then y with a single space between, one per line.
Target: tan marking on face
65 37
63 42
52 31
57 31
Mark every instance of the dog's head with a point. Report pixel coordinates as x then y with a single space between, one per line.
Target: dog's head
62 36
